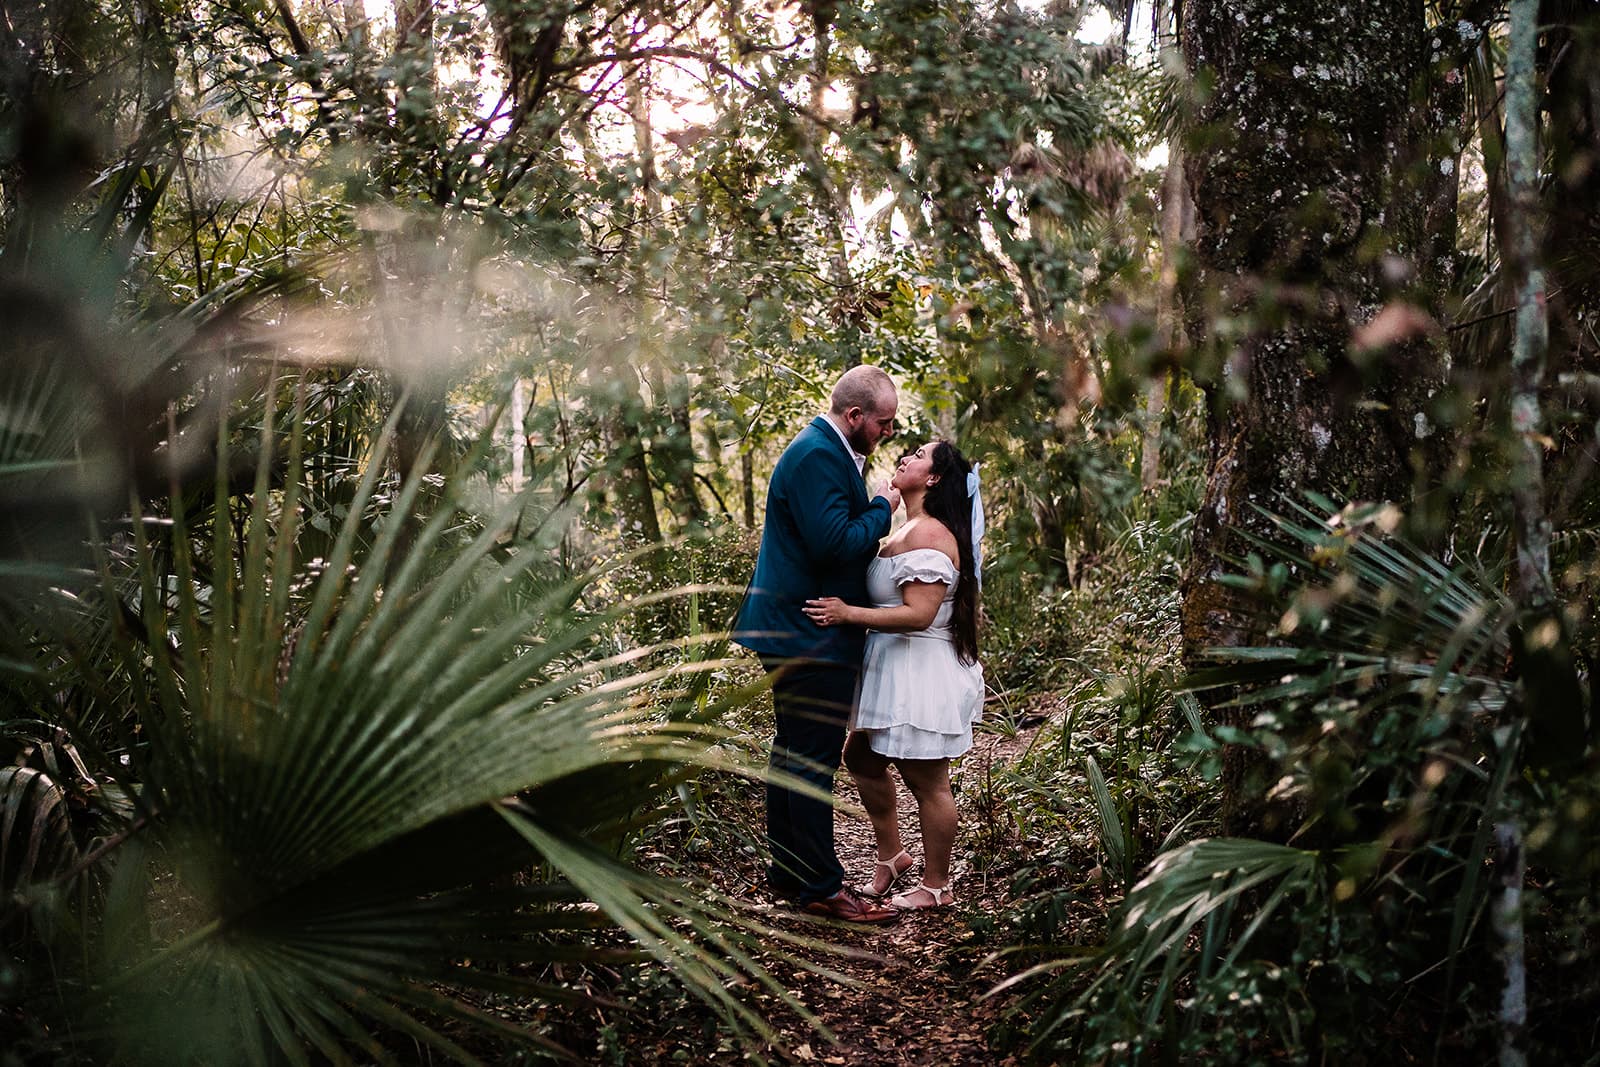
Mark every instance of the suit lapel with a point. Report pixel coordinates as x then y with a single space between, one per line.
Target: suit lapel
856 479
827 430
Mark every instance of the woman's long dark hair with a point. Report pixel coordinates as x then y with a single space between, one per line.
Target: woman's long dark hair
950 503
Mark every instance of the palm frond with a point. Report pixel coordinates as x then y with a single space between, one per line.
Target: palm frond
1374 613
1186 899
311 814
1113 837
35 830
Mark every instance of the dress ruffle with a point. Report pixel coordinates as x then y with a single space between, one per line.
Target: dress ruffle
923 565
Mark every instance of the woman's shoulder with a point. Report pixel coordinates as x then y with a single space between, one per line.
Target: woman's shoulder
930 535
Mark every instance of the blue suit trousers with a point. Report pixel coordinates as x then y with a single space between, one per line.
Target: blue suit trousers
813 699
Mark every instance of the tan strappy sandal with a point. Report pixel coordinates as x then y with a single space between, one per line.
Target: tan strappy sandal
896 873
942 897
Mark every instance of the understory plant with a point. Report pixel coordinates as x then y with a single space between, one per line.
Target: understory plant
1384 729
277 809
1105 782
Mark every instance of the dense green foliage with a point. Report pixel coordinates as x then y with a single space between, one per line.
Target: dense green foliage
384 414
1375 716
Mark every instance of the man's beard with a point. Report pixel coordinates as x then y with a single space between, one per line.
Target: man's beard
858 441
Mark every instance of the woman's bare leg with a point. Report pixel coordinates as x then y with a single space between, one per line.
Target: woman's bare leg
929 782
871 774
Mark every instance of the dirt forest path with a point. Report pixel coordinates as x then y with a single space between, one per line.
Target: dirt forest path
919 997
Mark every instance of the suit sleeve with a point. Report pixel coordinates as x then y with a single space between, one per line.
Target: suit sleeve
830 534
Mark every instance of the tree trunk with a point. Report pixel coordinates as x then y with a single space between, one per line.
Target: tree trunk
354 17
407 268
673 450
1301 202
1531 529
835 199
419 135
747 485
1169 321
627 423
519 434
1570 61
636 504
413 49
1571 51
673 446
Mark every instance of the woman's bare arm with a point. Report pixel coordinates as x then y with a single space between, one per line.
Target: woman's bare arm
922 600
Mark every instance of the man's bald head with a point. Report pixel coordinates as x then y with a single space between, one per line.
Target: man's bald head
867 388
864 402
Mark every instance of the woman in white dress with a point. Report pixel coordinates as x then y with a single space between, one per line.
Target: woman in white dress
921 686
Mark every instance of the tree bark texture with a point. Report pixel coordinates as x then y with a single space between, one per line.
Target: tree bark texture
1310 217
834 199
636 504
1530 526
1532 529
747 486
1506 917
1169 313
1569 58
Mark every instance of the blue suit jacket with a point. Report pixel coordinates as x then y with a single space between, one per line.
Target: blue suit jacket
821 532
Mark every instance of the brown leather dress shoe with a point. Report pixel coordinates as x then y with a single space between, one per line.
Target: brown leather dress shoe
848 906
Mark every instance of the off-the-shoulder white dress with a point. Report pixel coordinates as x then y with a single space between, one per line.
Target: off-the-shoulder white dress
918 700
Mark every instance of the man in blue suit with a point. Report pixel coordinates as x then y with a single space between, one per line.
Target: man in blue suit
822 529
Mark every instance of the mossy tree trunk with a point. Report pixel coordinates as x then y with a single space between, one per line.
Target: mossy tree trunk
1311 210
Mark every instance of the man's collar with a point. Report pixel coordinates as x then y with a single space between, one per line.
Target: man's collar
859 460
